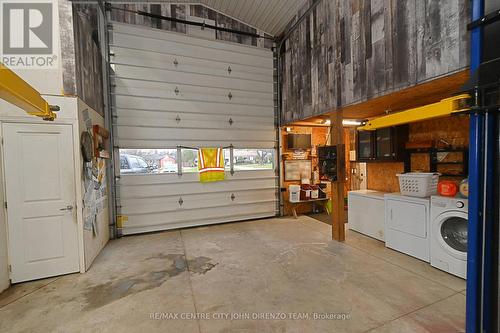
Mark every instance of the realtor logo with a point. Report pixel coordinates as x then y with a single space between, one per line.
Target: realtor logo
27 28
28 34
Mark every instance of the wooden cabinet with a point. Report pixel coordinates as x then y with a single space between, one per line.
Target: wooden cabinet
365 146
384 144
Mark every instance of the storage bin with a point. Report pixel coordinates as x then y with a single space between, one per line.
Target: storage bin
305 192
314 191
294 193
418 184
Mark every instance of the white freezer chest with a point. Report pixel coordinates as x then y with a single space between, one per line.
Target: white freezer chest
366 213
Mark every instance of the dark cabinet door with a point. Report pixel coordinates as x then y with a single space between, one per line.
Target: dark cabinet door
365 145
384 143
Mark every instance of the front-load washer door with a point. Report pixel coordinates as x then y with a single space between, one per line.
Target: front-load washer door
450 229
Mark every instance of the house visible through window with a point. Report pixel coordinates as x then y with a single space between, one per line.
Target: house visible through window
148 161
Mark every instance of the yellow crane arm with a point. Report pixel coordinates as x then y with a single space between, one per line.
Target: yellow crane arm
443 108
15 90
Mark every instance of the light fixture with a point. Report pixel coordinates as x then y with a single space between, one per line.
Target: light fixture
351 122
345 122
288 129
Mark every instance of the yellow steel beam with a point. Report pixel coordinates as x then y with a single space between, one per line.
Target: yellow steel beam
15 90
443 108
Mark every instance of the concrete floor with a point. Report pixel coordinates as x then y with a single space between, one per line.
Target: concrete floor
280 267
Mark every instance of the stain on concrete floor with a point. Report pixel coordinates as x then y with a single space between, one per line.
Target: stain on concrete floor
99 295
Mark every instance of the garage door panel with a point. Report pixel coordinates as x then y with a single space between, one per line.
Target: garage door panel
126 87
152 88
191 50
163 190
126 56
189 121
192 177
153 133
141 144
184 218
167 76
138 228
173 90
194 201
145 103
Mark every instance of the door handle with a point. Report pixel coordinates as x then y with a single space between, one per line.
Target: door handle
68 207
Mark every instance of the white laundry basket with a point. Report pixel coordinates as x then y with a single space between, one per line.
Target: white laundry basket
418 184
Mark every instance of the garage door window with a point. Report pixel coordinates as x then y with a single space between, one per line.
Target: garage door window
148 161
189 160
253 159
155 161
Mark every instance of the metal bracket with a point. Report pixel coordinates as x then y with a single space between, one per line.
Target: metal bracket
176 90
231 121
233 197
176 62
230 96
180 201
178 119
231 159
485 20
229 70
179 161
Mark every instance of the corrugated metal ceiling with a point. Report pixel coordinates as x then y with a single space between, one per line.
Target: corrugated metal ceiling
270 16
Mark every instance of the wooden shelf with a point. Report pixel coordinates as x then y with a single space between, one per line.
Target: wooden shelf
434 163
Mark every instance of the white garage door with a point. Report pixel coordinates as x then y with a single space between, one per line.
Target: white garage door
173 93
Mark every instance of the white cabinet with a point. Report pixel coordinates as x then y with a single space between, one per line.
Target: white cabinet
366 213
407 225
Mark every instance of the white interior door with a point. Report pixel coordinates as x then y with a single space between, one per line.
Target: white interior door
40 193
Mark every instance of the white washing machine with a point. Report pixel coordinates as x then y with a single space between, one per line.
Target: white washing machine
449 234
407 225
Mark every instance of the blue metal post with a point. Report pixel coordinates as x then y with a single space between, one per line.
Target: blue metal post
488 239
476 168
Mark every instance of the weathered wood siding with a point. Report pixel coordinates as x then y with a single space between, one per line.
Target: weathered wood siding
88 57
81 54
183 11
346 52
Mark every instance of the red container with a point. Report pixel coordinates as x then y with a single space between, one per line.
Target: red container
305 192
447 188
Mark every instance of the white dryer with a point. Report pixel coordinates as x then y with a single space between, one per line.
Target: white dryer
449 234
407 224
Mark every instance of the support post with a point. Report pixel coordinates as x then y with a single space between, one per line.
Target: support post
476 195
337 139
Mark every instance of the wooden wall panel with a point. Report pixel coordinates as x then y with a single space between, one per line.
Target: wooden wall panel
347 52
382 176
